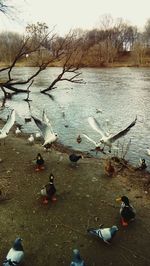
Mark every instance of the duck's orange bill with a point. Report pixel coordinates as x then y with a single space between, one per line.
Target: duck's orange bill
118 199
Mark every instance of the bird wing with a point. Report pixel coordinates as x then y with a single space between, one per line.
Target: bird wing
96 126
14 255
10 122
88 138
123 132
41 125
45 129
47 121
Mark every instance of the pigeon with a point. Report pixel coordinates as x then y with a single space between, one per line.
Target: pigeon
10 122
46 130
15 255
77 260
106 234
127 211
108 139
74 158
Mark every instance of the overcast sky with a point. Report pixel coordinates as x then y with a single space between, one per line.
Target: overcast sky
70 14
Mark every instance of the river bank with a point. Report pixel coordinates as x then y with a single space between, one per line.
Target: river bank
85 198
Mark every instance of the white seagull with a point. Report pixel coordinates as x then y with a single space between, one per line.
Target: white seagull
17 131
108 139
31 139
10 122
148 151
46 129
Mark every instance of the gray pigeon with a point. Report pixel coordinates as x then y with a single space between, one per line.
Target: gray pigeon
106 234
15 255
77 260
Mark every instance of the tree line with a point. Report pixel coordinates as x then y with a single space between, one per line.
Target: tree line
98 47
42 47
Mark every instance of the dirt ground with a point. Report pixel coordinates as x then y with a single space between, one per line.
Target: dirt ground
85 198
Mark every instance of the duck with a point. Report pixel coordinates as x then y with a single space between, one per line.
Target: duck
77 260
106 234
75 158
109 168
39 162
142 164
79 139
31 139
49 190
15 255
127 211
98 110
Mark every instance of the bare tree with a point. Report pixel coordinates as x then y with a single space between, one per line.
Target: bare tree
35 44
4 7
9 82
139 53
71 60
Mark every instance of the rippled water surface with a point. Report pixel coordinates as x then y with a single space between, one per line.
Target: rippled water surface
120 94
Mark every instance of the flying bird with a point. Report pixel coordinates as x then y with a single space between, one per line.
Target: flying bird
106 234
127 211
46 129
10 122
108 139
77 260
15 255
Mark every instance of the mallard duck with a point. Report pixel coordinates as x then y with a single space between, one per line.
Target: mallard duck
49 190
106 234
74 158
127 211
109 168
15 255
142 165
77 260
39 162
79 139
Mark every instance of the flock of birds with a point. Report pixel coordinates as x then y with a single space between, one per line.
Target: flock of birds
16 254
45 132
127 211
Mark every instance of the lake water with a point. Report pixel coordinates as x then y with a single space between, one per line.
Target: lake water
120 93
